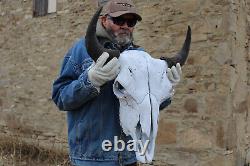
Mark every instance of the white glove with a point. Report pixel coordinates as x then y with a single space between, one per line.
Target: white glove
99 73
174 74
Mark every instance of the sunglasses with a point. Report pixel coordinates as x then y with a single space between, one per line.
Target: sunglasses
121 21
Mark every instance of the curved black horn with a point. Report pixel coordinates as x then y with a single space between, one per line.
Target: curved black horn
181 57
94 48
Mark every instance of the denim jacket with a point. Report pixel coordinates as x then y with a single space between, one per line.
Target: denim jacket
92 116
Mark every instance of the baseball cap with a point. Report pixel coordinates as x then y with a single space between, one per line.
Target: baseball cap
116 8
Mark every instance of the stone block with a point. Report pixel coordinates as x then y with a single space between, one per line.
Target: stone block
220 161
220 135
191 105
1 162
231 136
242 108
222 54
193 139
166 132
248 156
215 105
199 38
210 86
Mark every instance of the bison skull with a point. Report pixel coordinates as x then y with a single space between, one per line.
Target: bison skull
141 86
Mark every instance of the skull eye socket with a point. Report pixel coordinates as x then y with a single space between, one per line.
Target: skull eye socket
120 87
119 90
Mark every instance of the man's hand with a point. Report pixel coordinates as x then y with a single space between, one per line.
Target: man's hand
174 74
99 73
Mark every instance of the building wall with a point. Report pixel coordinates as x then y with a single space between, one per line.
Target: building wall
207 123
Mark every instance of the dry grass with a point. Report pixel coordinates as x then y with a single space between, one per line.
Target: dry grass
14 152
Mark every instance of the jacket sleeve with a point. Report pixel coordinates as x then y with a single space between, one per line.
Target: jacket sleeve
72 89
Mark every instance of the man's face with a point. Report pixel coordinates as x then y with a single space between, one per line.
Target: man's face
120 28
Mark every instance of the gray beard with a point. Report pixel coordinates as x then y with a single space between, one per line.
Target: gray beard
121 40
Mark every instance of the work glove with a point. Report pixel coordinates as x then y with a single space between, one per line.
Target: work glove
174 74
99 74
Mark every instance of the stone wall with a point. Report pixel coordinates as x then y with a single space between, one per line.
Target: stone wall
207 123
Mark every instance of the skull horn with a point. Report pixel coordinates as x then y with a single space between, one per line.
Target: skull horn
94 48
181 56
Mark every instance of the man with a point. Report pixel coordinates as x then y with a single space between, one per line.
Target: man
84 90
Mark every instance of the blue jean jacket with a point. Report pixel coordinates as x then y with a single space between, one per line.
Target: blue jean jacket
92 116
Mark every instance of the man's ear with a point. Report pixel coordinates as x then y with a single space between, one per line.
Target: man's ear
104 20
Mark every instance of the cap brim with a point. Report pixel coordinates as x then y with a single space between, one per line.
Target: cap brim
119 13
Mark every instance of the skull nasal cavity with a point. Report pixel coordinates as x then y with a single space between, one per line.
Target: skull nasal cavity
119 86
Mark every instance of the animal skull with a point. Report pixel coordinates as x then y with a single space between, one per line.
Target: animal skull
141 86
